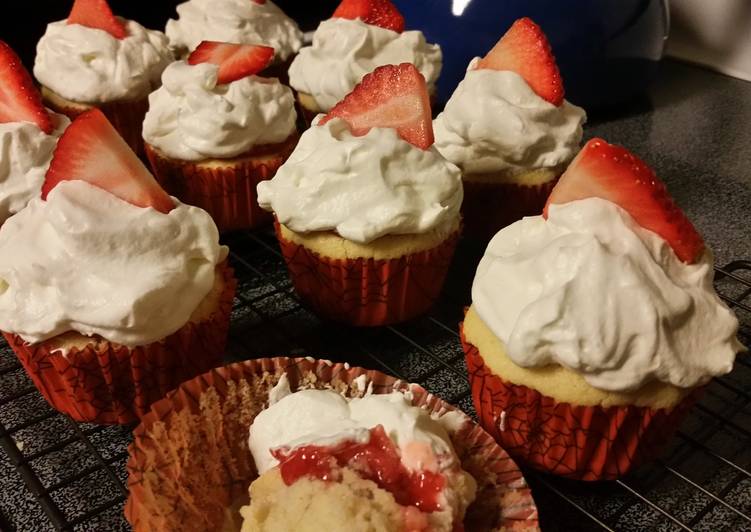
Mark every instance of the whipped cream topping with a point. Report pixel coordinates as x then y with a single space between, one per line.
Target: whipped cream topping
362 187
325 418
91 66
344 50
591 290
495 122
87 261
240 21
192 118
25 155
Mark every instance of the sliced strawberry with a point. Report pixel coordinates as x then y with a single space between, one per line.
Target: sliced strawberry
374 12
91 150
98 15
390 96
525 49
235 61
20 100
610 172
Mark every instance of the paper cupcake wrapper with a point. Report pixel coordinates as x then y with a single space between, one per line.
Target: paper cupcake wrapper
189 461
126 117
227 193
368 292
110 383
577 442
489 207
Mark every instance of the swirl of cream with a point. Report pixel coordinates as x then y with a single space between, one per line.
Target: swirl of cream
25 155
494 121
241 21
344 50
362 187
87 261
190 117
591 290
91 66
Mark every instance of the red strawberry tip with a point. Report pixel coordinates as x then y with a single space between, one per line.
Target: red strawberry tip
613 173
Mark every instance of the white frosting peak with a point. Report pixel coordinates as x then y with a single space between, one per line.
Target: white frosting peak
362 187
84 260
323 417
25 155
240 21
494 121
192 118
91 66
344 50
591 290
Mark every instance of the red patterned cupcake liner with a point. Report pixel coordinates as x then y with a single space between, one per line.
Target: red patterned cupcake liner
110 383
126 117
190 465
368 292
577 442
227 192
489 207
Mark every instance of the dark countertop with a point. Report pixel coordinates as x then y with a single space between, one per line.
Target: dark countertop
692 128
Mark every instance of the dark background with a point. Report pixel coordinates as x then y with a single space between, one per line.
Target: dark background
22 22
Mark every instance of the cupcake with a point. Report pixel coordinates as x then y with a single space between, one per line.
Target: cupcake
509 129
94 59
367 209
28 135
594 326
340 464
214 130
112 292
322 446
237 21
360 36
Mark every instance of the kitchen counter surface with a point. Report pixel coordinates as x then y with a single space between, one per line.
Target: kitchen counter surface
693 128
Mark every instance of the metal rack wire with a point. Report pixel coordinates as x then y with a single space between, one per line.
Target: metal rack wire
56 474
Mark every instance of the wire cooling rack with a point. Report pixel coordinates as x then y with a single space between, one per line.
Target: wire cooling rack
56 474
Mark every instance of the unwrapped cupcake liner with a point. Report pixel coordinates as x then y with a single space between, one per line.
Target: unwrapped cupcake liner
126 117
110 383
227 192
489 207
573 441
365 291
189 467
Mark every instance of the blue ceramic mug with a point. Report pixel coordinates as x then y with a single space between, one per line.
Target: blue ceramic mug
607 50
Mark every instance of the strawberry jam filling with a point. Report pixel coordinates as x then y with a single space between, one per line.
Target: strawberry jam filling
377 460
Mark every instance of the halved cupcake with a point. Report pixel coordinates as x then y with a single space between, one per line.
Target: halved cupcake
594 327
94 59
509 129
357 450
359 36
28 135
367 209
214 130
112 293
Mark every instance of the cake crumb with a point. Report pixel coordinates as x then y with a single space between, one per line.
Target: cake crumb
502 421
